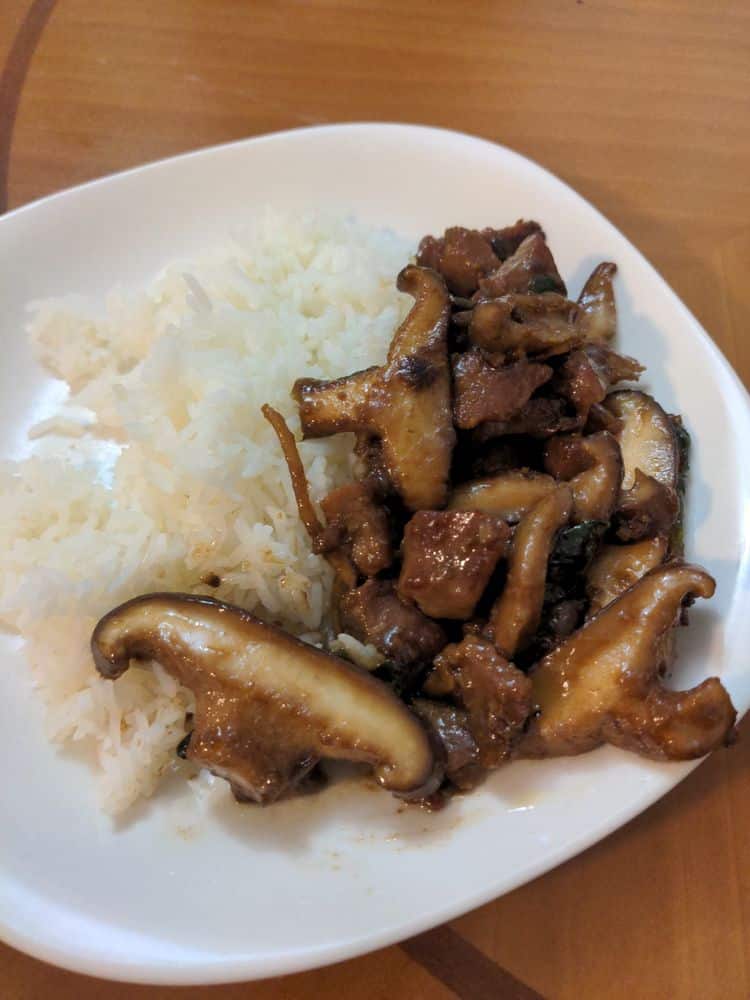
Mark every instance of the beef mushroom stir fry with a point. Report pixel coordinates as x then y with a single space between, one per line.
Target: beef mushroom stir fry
511 546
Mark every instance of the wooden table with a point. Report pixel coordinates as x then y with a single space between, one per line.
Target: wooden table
644 107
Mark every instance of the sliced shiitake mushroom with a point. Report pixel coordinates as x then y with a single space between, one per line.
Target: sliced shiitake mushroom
647 437
649 503
406 403
618 567
647 509
268 707
602 685
509 495
518 326
597 313
592 466
516 613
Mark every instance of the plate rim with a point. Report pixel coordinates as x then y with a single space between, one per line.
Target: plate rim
239 969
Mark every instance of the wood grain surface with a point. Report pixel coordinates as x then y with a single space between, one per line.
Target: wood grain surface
644 107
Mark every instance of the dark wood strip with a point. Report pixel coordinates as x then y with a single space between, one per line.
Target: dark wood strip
464 969
12 80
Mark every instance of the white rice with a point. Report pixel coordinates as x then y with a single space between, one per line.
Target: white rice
171 380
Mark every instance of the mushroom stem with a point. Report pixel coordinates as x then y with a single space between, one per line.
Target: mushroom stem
517 612
593 467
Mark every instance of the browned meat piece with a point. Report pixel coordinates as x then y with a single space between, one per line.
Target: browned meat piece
462 256
579 382
509 495
449 557
496 695
530 269
507 240
375 613
359 526
406 403
439 682
618 567
602 686
267 707
647 509
540 418
597 314
449 728
592 466
611 366
515 616
587 375
520 325
483 393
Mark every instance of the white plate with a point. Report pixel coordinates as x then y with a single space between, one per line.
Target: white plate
247 893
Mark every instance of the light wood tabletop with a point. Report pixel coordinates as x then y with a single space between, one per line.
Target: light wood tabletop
644 107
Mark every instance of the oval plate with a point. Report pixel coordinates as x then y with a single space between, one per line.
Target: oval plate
242 893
